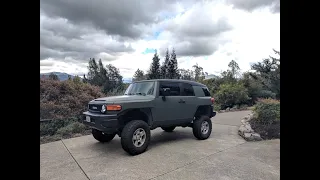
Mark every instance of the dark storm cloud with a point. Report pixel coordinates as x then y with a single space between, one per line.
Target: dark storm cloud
59 39
115 17
251 5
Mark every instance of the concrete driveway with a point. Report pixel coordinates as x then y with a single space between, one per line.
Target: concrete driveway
176 155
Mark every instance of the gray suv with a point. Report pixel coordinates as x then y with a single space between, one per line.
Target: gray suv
149 104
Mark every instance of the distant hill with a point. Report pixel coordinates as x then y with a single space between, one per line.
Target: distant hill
61 76
64 76
126 80
211 76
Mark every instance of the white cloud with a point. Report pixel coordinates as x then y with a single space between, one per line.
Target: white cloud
253 36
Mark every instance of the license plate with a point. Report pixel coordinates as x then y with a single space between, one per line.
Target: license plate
88 118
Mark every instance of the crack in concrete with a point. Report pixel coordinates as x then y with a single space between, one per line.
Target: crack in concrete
195 161
75 160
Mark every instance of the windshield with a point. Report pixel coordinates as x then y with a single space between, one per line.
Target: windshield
140 88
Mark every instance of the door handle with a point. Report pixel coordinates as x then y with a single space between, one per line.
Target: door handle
182 101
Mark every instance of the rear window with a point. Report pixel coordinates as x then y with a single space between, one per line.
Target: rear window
206 91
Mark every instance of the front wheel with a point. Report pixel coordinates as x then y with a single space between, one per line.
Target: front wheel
202 128
100 136
135 137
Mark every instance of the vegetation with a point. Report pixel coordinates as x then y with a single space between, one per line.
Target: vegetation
266 120
65 101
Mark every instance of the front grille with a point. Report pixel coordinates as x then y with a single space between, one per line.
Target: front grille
95 107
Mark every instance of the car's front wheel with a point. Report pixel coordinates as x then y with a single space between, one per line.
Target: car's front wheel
135 137
102 137
202 127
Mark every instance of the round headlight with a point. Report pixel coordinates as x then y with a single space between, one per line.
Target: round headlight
103 108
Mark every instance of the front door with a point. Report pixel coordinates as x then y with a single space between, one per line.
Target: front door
168 112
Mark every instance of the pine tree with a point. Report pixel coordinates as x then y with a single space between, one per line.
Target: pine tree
154 71
85 80
93 72
138 75
172 69
164 67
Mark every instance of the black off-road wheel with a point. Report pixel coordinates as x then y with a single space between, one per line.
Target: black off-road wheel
135 137
168 129
202 128
101 137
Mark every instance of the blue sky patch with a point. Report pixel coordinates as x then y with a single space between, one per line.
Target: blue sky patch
148 51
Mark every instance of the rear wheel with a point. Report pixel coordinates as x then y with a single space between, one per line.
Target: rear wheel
135 137
168 129
100 136
202 127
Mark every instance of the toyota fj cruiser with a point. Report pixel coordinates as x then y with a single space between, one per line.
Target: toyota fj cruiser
149 104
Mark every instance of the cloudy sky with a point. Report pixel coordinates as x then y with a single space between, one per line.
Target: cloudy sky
126 32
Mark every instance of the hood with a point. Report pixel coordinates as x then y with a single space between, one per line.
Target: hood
123 98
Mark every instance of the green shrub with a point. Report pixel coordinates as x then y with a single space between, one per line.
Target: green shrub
50 128
71 128
231 94
266 120
217 107
267 111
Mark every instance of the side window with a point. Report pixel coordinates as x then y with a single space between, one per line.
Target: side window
174 88
206 91
187 90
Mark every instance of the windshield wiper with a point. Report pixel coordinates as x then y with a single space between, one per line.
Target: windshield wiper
139 93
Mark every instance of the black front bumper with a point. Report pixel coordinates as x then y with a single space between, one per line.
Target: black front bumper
102 122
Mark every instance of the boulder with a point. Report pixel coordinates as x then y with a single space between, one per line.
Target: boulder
248 128
256 136
248 136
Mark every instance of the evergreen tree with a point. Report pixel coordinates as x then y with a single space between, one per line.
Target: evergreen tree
138 75
93 72
85 80
154 71
172 70
164 67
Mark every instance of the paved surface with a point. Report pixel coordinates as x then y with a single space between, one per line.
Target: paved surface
177 155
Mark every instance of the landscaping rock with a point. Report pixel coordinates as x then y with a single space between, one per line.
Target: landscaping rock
248 128
248 136
256 137
228 109
246 131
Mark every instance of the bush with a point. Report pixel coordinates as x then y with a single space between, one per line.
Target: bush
72 128
51 127
217 107
65 99
266 120
231 94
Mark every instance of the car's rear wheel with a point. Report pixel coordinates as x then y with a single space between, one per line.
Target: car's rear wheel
135 137
102 137
202 127
168 129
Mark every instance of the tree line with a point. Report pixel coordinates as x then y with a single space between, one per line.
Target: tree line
169 69
230 88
